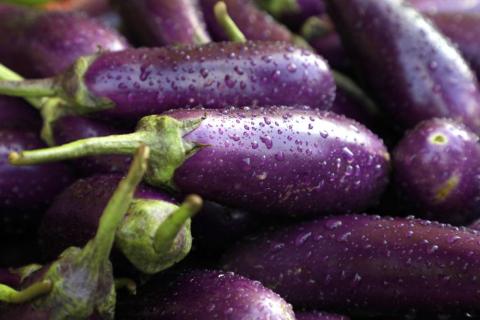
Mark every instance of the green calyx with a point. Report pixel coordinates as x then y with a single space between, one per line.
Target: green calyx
228 25
279 8
81 281
316 27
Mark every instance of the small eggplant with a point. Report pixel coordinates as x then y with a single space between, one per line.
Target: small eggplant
206 295
138 82
79 284
409 66
366 263
278 160
165 22
319 316
437 171
74 216
42 44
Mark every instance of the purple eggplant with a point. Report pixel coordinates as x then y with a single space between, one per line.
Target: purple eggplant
409 67
319 316
74 216
165 22
463 30
17 114
366 263
42 44
137 82
79 284
278 160
437 171
439 6
206 295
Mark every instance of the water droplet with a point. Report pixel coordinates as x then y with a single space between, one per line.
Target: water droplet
267 141
333 224
302 238
280 156
433 249
453 239
254 145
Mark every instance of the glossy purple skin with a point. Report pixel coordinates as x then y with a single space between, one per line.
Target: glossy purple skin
207 295
164 22
437 6
30 187
72 128
254 23
319 316
413 71
283 161
42 44
462 29
366 263
437 171
73 217
16 113
142 82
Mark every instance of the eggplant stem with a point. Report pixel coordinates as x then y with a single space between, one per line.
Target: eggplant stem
10 295
228 25
36 88
126 283
277 8
168 230
115 144
118 206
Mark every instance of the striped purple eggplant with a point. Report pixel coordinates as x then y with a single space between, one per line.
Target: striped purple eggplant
164 22
366 263
276 160
42 44
74 216
206 295
437 171
408 66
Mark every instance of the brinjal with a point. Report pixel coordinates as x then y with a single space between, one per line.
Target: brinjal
293 161
437 171
138 82
366 263
74 215
79 284
42 44
444 6
408 65
165 22
319 316
206 295
17 114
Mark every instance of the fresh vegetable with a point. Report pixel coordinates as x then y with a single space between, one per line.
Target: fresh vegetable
137 82
42 44
366 263
202 294
165 22
276 160
74 216
319 316
16 114
79 284
437 170
409 67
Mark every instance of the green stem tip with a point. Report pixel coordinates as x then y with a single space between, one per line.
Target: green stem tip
228 25
169 229
10 295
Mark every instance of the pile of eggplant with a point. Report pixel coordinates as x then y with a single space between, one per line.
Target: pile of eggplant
239 159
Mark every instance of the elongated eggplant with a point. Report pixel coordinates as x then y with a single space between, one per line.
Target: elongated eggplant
165 22
275 160
206 295
409 66
42 44
437 171
137 82
15 113
366 263
74 216
79 284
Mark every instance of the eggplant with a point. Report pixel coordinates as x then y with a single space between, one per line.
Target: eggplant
138 82
444 6
17 114
408 66
319 316
204 294
462 29
278 160
79 284
366 263
74 216
42 44
165 22
437 171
